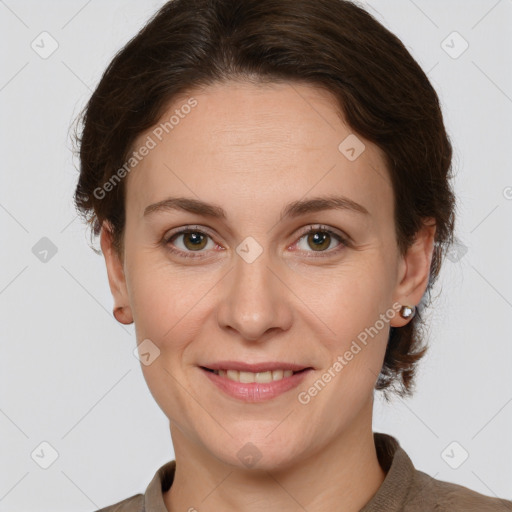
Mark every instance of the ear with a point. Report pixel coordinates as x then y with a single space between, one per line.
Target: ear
116 276
414 270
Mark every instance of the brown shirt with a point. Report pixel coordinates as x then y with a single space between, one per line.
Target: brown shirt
404 489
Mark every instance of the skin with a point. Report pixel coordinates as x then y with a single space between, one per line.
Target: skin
252 149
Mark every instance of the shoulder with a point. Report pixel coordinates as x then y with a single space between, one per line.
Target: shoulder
132 504
444 496
152 498
408 489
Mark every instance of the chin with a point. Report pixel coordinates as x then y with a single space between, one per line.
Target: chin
257 451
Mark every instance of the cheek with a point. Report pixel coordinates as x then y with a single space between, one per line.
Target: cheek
160 293
346 298
167 308
170 307
164 307
352 307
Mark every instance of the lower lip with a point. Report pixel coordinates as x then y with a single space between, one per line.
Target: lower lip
256 391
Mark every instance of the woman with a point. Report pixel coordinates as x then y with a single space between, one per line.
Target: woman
270 183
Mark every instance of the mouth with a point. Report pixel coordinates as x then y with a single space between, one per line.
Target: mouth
255 382
263 377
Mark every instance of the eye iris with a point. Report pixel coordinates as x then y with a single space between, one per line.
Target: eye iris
196 239
319 236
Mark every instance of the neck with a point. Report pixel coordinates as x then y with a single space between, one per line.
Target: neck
343 476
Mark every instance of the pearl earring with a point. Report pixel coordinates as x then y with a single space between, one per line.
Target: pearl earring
407 311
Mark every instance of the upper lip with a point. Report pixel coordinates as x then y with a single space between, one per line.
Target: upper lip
254 367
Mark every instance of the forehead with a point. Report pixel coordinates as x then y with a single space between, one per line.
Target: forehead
238 141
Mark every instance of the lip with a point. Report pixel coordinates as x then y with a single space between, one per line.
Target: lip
256 391
254 367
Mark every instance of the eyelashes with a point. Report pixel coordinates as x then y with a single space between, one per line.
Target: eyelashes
168 242
201 235
323 230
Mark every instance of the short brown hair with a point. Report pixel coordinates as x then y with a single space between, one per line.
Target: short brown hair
382 92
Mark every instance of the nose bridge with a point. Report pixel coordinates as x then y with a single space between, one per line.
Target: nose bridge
255 301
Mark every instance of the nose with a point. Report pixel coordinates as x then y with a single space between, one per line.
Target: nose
255 301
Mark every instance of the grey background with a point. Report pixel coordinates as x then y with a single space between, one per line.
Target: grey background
68 374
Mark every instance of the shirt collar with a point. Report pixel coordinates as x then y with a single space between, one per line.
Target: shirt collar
390 496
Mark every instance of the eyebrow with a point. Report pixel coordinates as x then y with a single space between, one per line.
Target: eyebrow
291 210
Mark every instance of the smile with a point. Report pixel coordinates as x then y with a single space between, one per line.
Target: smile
255 386
247 377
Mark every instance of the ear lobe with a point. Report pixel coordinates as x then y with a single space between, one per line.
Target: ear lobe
416 262
116 276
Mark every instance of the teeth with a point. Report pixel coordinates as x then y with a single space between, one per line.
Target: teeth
277 374
261 377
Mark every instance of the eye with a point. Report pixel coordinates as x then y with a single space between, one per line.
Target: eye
320 238
192 240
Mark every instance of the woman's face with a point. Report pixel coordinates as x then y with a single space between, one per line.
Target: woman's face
253 286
